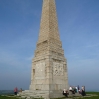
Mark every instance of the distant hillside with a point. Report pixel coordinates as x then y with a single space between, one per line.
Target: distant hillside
4 92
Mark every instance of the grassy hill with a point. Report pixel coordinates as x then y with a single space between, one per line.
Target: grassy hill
95 95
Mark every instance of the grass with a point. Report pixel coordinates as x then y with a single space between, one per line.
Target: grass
7 97
93 97
88 93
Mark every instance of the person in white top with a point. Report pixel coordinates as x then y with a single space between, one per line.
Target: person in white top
65 92
70 88
76 89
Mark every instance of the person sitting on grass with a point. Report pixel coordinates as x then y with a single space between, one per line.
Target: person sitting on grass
65 93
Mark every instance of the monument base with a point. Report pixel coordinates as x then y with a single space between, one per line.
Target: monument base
40 94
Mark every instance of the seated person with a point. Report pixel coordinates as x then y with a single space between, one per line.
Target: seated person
70 88
65 93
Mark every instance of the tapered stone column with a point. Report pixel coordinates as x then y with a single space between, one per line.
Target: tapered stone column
49 66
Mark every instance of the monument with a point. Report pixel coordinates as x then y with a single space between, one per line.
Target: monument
49 67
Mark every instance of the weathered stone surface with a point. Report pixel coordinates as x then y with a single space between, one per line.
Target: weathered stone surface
49 66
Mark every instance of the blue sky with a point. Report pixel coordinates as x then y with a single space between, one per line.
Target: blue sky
79 32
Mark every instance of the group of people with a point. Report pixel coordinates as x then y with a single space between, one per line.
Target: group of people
74 90
65 91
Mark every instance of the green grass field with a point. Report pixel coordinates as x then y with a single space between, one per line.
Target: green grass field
88 93
5 97
94 97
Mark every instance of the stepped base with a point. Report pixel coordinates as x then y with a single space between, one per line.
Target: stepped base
40 94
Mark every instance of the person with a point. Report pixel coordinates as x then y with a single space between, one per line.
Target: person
65 93
83 91
80 91
73 90
70 88
20 89
15 91
76 89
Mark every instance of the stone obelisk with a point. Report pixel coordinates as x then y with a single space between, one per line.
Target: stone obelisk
49 66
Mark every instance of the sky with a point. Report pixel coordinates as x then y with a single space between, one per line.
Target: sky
78 22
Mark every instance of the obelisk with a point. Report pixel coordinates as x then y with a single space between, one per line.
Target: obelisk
49 66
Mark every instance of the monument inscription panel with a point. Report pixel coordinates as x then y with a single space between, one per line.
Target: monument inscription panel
57 69
40 70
